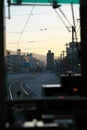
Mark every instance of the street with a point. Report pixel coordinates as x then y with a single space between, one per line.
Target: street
30 83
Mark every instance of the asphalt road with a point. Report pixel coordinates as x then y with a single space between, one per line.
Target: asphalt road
34 82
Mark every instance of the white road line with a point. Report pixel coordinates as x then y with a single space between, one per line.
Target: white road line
10 89
23 88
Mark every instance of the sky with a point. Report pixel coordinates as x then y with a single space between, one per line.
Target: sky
37 29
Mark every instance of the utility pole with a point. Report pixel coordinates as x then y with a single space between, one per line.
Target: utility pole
63 61
2 69
67 57
74 34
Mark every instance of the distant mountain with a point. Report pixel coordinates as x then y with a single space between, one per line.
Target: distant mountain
40 57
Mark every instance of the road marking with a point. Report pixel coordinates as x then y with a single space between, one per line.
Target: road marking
23 88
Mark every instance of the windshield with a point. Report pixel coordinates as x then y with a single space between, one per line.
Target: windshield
42 47
43 64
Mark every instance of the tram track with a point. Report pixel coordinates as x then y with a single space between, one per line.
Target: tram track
18 88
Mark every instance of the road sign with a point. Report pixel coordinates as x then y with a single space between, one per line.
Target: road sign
47 1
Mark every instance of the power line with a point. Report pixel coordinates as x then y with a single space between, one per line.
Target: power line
62 20
65 16
25 25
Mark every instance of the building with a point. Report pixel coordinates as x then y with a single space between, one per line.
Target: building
73 60
50 60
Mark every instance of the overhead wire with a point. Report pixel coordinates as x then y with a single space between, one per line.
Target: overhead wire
62 20
58 6
21 33
25 26
73 26
65 16
17 15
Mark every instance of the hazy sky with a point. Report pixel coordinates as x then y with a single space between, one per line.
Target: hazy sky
40 28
